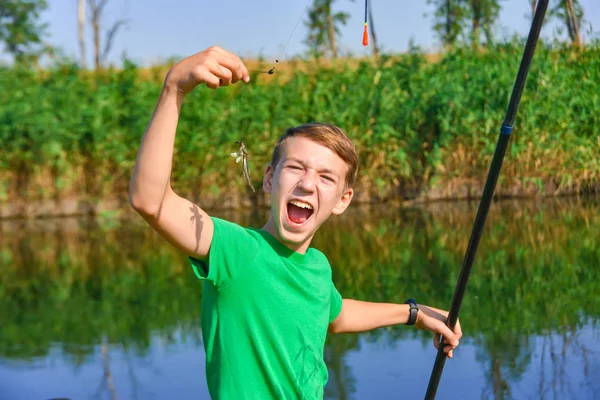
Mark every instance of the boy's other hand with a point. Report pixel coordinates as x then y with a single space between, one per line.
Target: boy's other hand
214 66
434 320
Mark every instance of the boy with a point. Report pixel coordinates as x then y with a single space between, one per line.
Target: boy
268 300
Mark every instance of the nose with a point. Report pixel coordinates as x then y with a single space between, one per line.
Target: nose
308 181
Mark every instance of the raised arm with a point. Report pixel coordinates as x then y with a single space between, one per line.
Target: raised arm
184 224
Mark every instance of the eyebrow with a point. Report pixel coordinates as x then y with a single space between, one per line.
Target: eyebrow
325 170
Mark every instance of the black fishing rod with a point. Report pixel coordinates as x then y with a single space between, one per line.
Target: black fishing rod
488 191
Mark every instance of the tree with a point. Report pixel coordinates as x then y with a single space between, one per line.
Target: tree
571 13
81 31
482 14
96 9
448 19
323 26
372 29
20 29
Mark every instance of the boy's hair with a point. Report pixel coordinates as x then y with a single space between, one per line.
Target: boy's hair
326 135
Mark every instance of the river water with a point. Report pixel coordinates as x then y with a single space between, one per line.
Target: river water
102 308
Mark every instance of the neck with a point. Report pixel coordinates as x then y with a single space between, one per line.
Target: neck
300 248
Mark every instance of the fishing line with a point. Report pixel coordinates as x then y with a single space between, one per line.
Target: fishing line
242 153
365 39
272 70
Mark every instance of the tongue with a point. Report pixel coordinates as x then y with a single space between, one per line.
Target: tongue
298 214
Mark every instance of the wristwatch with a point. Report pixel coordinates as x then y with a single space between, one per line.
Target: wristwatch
414 310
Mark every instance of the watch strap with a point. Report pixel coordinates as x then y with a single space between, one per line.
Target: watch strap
414 310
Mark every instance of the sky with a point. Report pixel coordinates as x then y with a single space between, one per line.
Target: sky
157 30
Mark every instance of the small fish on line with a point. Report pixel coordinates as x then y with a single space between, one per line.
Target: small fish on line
242 155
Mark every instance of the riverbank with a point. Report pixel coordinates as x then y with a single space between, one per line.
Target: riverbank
424 131
235 200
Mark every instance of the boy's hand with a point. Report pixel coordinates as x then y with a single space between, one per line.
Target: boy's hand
214 66
434 320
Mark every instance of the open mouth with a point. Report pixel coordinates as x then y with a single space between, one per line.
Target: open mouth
299 212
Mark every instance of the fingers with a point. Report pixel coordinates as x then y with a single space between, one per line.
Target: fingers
458 330
214 66
449 336
231 62
213 74
435 320
436 340
210 73
226 77
447 348
450 341
237 67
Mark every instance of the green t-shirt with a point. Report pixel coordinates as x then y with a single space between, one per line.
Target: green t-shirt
265 313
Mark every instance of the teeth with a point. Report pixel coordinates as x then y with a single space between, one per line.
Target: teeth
301 204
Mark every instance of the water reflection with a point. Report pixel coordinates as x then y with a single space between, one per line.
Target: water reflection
104 308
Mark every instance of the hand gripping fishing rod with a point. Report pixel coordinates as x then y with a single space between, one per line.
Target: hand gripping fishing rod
488 191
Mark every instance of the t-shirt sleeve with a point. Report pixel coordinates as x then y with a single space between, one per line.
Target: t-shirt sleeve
335 304
232 249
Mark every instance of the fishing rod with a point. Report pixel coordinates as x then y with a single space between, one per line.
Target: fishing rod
365 40
488 191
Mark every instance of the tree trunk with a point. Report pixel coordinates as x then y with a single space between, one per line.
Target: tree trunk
96 8
572 23
81 31
568 19
96 27
476 32
373 36
331 33
449 22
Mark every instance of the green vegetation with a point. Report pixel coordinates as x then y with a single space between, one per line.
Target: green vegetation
21 33
421 128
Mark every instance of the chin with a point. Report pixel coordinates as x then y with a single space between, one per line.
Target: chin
296 234
292 234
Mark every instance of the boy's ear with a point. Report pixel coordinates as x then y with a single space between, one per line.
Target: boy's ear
344 201
268 179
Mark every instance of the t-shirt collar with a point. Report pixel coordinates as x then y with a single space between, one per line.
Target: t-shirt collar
283 250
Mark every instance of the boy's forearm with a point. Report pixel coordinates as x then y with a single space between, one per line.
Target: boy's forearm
361 316
152 172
